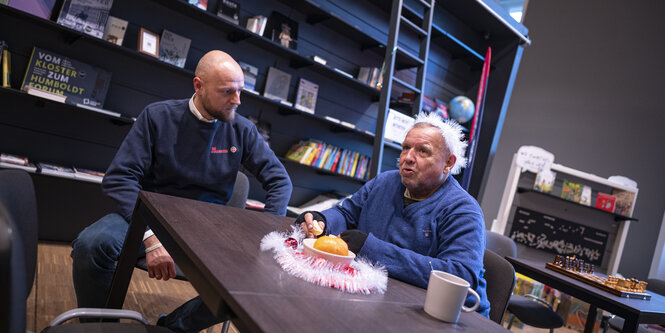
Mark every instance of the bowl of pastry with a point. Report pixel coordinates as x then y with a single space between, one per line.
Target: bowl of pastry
330 248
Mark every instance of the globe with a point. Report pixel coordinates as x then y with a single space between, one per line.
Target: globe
461 109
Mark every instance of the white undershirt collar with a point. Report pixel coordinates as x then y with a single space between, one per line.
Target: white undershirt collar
196 112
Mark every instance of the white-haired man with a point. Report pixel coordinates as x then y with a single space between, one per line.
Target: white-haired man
418 218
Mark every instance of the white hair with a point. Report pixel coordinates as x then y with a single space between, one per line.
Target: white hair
452 135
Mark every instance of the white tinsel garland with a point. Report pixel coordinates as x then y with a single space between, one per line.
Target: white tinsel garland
360 277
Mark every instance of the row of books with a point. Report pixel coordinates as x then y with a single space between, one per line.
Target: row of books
20 162
619 201
331 158
371 76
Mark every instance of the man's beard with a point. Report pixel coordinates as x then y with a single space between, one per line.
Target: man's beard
225 116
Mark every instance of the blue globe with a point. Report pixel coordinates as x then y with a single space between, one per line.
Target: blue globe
461 109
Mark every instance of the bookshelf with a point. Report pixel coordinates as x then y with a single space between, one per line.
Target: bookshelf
348 34
519 195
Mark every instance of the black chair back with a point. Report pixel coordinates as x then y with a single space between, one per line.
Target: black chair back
500 277
17 195
500 244
240 191
12 277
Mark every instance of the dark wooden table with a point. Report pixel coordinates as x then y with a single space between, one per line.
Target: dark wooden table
634 311
217 247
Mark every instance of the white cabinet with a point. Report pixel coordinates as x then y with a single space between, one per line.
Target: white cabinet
559 225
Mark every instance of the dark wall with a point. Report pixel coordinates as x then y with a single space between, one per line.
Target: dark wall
589 91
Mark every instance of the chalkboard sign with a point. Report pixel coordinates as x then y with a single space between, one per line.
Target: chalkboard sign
555 235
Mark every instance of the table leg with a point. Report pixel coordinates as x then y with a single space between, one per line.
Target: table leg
127 261
630 325
590 319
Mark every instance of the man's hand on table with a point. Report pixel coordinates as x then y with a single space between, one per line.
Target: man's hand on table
159 261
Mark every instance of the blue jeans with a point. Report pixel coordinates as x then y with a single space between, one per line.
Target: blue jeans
95 252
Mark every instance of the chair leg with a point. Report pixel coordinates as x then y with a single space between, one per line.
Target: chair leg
510 321
225 326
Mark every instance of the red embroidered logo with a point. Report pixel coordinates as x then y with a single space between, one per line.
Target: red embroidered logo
218 151
234 149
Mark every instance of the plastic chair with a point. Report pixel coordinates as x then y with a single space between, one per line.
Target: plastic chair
238 200
18 260
500 277
529 309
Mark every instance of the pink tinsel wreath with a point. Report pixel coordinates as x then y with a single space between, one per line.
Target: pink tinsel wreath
360 277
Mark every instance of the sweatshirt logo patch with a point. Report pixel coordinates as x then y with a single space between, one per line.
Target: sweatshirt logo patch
218 151
427 233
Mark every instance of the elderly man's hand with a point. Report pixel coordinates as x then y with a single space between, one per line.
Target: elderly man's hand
311 223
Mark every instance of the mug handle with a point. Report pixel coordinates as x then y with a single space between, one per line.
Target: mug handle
475 306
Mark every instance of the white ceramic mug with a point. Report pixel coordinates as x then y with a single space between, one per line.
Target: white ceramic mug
445 296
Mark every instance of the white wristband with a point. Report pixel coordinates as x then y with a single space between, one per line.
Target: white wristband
148 234
153 248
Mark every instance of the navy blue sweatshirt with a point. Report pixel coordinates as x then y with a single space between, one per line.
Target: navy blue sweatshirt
170 151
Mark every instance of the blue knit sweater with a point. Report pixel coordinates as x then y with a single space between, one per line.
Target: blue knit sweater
446 229
170 151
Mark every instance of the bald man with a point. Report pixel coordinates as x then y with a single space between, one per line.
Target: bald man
190 148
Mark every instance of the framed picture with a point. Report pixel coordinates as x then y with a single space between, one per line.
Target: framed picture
148 43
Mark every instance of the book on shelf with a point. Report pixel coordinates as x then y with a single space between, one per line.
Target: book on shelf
173 48
6 65
11 161
605 202
441 108
277 84
343 73
282 30
428 104
200 4
95 176
14 159
257 24
250 73
624 202
55 170
229 10
364 74
585 197
45 94
571 191
41 8
347 124
332 119
79 82
263 127
306 96
544 181
115 29
86 16
99 110
318 59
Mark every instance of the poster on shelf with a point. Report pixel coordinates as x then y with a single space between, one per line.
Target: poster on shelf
306 96
555 235
397 125
79 82
534 159
86 16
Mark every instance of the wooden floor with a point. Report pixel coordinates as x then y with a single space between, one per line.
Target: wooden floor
53 291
